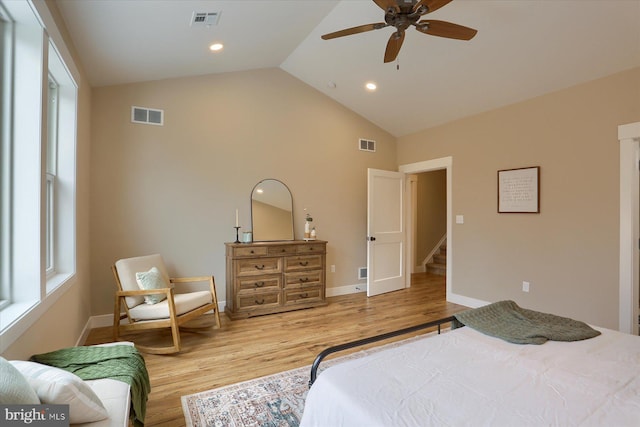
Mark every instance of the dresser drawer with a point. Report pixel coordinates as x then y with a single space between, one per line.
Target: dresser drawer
248 267
297 263
303 295
311 248
303 278
249 251
282 250
258 300
259 283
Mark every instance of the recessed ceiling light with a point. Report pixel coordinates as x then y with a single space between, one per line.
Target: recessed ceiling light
371 86
216 47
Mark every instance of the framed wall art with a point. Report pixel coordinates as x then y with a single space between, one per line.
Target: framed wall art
519 190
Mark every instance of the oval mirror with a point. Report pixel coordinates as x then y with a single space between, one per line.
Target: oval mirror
271 211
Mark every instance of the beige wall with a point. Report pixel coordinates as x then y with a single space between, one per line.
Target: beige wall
569 252
173 189
431 212
63 323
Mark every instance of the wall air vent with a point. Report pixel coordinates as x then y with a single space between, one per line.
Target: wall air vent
367 145
148 116
362 273
204 19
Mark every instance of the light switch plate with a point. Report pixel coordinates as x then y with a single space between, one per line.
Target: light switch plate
459 219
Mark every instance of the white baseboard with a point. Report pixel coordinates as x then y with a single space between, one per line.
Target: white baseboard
346 290
466 301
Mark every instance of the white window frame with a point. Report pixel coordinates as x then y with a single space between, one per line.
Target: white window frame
33 285
6 53
50 176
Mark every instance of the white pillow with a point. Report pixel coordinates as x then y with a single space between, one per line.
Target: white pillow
14 387
152 279
60 387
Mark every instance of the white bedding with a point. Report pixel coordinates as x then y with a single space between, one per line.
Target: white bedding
465 378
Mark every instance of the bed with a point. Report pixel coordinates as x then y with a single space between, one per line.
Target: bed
466 377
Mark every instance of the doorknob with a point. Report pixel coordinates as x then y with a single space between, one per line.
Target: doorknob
371 238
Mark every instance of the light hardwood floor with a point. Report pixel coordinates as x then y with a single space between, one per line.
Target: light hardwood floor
250 348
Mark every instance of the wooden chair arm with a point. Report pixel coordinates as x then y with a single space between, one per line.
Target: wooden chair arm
190 279
166 291
209 279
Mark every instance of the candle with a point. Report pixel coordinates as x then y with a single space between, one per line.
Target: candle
237 218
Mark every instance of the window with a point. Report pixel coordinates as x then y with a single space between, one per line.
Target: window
52 156
5 102
38 102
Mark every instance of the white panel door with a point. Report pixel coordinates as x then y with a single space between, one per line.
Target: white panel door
385 232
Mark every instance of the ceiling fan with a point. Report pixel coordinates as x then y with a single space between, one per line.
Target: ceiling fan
401 14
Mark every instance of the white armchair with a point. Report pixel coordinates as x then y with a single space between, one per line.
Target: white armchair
150 300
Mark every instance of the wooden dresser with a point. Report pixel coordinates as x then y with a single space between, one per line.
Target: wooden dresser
272 277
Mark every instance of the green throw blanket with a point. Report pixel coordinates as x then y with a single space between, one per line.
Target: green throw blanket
508 321
118 362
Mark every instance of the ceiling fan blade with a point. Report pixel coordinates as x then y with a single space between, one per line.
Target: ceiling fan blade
354 30
393 46
446 29
431 5
386 4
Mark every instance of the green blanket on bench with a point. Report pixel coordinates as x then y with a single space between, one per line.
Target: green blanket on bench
508 321
118 362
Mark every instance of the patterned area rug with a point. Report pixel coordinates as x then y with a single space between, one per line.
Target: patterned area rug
272 401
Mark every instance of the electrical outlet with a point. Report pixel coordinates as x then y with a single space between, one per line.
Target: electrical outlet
333 268
525 286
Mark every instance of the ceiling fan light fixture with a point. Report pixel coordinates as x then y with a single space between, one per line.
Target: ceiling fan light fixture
216 47
402 14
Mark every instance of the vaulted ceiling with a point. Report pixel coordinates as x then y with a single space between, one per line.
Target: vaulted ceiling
523 49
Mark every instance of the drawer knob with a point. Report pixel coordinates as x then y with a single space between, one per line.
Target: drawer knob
259 267
259 284
304 279
251 250
304 264
260 302
304 295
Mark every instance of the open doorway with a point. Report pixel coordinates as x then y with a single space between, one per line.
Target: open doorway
429 220
629 137
445 164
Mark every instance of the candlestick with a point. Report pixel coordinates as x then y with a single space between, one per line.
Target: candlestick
237 224
237 237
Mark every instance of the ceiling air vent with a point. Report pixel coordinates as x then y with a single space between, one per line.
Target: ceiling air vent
147 116
367 145
204 19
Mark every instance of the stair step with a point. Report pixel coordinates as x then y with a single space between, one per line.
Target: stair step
440 259
436 268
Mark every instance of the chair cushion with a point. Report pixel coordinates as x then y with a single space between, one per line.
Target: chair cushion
127 269
184 303
152 279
